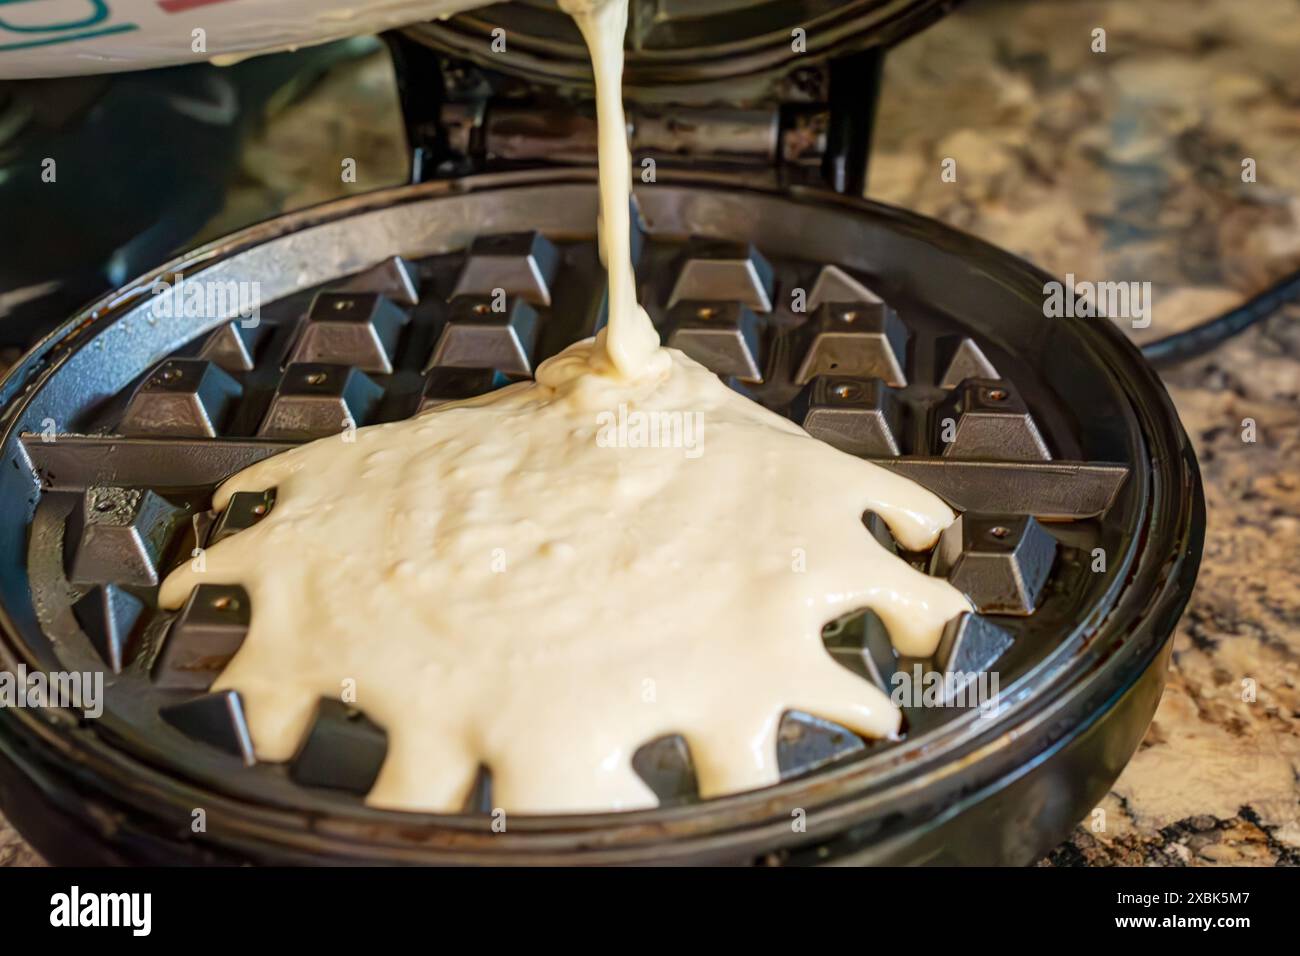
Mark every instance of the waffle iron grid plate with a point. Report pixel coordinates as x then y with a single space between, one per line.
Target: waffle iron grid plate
917 347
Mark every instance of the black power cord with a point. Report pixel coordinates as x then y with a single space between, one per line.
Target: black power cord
1196 341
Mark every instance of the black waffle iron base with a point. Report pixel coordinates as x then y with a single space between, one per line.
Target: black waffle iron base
885 334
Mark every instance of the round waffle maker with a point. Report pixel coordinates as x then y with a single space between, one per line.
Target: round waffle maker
888 335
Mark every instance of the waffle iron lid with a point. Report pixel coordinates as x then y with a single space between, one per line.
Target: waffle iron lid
677 43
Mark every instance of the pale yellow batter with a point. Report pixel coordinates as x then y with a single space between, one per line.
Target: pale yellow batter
629 339
518 582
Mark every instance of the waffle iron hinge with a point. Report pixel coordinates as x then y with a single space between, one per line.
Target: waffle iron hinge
812 128
775 146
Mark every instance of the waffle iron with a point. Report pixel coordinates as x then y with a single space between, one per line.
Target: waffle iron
917 347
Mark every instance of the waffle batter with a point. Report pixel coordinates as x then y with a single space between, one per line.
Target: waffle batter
512 581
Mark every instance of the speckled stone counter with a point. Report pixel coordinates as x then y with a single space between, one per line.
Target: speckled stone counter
1127 165
1116 165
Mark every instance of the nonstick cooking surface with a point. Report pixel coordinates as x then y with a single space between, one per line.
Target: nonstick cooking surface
933 361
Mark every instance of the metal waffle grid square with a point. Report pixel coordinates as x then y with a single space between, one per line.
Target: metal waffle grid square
129 493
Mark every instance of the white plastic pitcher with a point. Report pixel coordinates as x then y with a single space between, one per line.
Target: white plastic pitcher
63 37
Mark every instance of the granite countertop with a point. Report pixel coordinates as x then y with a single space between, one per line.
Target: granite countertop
1126 165
1122 165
